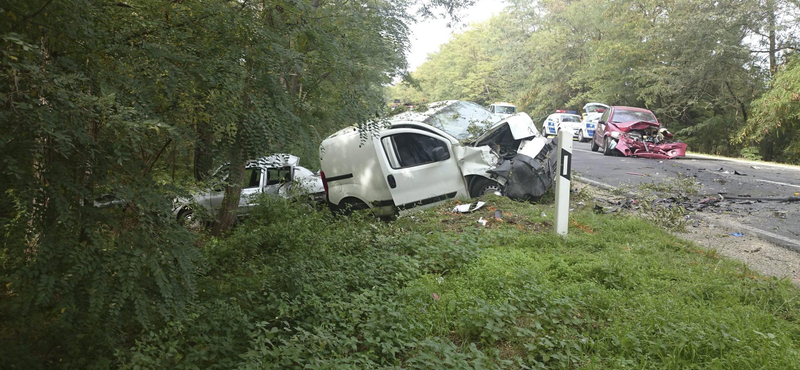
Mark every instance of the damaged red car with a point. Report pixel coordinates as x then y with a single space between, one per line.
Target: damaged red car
634 132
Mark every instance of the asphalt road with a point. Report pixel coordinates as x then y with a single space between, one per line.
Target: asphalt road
778 222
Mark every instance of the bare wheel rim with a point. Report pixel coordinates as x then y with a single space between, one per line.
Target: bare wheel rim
490 188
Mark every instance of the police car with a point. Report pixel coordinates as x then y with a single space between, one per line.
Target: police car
591 114
562 118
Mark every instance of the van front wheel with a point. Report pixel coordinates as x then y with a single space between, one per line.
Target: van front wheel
483 186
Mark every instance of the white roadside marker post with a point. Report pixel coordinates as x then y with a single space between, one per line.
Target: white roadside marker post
563 181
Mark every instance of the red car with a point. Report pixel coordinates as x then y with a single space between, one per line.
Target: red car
634 132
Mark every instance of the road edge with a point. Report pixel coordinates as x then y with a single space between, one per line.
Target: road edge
765 235
742 161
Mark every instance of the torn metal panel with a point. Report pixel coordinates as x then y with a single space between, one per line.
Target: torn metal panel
475 160
521 126
528 178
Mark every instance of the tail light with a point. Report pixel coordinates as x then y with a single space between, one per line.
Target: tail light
324 181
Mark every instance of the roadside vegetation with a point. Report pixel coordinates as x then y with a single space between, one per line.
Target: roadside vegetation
138 101
296 288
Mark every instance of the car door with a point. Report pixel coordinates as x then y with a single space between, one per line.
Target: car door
212 197
252 183
419 167
551 127
278 180
599 131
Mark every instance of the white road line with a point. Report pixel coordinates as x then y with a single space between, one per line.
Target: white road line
779 183
581 150
596 183
743 161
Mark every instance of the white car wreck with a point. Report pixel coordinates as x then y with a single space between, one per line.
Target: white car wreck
410 163
277 174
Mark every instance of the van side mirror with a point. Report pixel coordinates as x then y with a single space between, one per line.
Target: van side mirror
439 154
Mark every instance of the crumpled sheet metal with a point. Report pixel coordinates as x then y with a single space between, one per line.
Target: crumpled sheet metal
629 147
528 178
475 160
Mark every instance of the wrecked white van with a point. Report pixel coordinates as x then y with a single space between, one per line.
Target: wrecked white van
409 163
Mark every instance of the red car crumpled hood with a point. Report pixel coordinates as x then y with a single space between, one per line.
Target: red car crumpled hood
635 125
628 146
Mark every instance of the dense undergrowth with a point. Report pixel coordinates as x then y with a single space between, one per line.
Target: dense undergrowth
297 288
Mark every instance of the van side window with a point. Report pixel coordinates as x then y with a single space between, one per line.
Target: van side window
252 178
279 175
409 150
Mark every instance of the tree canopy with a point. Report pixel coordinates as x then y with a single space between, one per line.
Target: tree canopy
700 66
137 100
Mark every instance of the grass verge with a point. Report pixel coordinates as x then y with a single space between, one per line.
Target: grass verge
297 288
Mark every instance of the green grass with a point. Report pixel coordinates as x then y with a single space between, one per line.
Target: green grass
297 288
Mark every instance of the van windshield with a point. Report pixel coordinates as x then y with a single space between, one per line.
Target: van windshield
456 119
502 109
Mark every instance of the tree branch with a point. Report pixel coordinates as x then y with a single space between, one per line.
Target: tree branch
155 159
39 11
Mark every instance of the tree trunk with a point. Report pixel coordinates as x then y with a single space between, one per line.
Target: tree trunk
773 59
233 191
203 155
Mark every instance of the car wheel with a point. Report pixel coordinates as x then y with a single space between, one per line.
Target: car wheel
485 186
595 147
349 205
607 146
580 136
188 220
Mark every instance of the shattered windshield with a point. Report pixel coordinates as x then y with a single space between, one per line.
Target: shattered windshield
630 115
457 118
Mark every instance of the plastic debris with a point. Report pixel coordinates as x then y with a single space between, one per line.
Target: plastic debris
738 234
482 221
468 208
739 173
498 215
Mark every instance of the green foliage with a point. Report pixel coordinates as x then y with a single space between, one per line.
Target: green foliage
776 118
296 288
134 101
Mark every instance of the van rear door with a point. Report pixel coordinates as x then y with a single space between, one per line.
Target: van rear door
419 167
